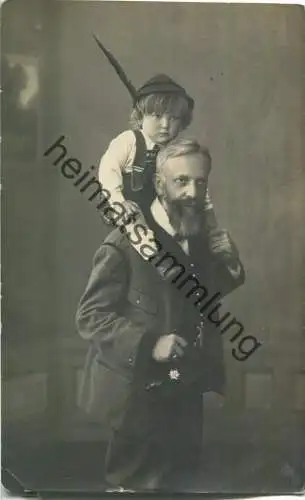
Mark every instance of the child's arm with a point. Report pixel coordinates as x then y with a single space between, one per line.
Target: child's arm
118 155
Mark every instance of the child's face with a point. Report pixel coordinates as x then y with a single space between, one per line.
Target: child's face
161 128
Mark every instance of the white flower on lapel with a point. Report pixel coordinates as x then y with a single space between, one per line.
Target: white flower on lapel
174 374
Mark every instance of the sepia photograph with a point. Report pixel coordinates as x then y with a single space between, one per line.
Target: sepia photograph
153 242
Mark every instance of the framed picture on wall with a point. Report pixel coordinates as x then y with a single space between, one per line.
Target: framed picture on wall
21 127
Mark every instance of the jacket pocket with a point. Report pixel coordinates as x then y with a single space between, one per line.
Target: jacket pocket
142 301
104 394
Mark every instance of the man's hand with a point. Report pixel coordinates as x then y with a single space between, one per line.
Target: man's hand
212 400
169 346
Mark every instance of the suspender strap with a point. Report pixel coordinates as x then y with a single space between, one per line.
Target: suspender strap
140 148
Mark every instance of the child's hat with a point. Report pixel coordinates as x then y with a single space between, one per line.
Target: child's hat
163 84
157 84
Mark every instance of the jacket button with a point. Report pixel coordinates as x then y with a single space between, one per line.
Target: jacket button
130 361
138 301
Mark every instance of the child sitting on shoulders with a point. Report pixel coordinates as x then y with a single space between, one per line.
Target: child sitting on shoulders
162 110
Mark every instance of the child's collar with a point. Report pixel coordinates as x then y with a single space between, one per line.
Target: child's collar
149 143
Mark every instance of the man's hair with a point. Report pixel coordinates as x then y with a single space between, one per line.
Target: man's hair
174 105
181 147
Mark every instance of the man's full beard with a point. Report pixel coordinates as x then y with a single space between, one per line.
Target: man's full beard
185 216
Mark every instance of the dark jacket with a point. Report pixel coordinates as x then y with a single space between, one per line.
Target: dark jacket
126 307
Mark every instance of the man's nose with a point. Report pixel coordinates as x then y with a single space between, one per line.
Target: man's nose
191 190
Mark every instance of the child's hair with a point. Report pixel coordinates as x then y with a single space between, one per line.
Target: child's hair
174 105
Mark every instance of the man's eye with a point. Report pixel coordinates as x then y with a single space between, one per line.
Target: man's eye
181 181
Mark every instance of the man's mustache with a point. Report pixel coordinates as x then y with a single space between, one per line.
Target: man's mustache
187 203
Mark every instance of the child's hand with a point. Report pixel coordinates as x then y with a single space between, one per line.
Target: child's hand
131 211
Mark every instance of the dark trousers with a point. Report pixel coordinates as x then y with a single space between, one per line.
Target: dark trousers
158 445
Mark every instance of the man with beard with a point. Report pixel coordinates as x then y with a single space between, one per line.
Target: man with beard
153 354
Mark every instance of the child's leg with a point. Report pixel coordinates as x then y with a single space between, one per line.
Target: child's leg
210 219
140 236
143 240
